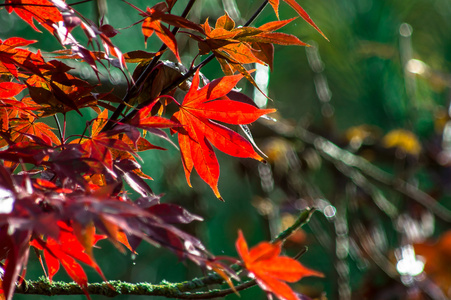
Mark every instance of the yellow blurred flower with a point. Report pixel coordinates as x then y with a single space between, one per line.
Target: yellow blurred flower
404 140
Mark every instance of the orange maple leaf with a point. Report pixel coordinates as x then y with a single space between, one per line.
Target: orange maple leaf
270 270
199 132
235 46
23 128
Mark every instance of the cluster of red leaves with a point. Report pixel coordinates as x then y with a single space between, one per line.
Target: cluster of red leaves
70 193
36 205
233 47
76 183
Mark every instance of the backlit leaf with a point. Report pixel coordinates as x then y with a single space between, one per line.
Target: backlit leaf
199 132
10 89
270 269
42 11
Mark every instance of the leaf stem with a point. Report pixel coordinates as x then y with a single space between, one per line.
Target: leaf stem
256 14
59 129
84 131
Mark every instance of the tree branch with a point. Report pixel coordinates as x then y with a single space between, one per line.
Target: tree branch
181 290
332 152
45 287
303 218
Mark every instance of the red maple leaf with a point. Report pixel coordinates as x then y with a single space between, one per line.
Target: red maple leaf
22 129
270 270
10 89
66 251
42 11
144 119
11 57
199 132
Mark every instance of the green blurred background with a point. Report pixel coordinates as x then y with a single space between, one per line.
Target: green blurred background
386 67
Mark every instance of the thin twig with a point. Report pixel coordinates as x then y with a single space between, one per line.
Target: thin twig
256 14
335 153
59 129
303 219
